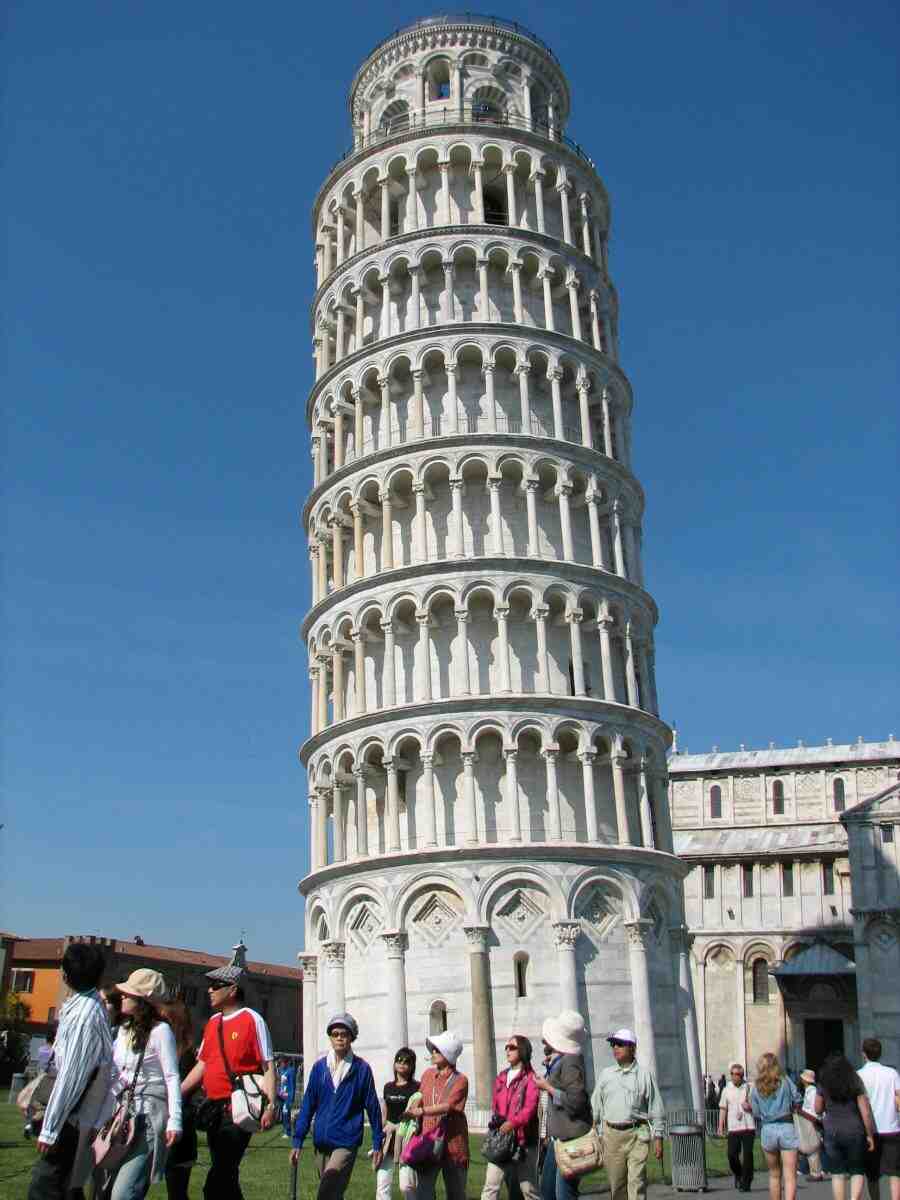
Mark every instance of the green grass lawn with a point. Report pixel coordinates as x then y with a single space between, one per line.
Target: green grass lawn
265 1174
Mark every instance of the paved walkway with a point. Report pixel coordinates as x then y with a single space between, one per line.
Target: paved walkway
725 1186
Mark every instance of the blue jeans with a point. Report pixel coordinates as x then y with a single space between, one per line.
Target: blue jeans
132 1181
555 1186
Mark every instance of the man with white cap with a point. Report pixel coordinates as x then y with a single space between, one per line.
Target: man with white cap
236 1041
627 1103
339 1090
568 1107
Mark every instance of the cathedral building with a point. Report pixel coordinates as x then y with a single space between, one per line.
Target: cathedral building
792 899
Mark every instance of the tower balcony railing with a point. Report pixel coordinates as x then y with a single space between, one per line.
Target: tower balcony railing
441 427
467 17
433 116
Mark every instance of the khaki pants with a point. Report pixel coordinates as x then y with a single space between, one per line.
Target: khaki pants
625 1158
335 1169
454 1181
524 1173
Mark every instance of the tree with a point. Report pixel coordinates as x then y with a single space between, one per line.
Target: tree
14 1039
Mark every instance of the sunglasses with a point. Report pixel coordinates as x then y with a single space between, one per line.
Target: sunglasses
511 1046
615 1043
340 1033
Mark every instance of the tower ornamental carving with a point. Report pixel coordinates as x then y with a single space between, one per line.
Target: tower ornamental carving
486 760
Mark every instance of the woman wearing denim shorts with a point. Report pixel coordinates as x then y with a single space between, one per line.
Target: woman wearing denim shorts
773 1100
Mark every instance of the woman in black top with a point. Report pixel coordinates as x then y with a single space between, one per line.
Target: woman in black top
396 1098
183 1154
849 1129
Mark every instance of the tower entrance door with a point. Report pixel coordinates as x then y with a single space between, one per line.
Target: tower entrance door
822 1038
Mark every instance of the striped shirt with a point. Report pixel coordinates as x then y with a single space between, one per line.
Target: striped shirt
83 1043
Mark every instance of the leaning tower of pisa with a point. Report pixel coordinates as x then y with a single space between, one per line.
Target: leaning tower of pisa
490 838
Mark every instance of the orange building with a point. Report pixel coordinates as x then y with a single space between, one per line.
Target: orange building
34 973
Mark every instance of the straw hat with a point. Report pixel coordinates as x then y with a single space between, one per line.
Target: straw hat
564 1033
144 984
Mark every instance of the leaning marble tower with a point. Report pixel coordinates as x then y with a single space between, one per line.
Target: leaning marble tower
490 836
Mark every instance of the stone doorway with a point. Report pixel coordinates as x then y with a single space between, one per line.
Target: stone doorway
822 1037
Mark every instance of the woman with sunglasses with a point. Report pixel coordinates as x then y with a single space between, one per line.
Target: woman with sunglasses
397 1095
514 1109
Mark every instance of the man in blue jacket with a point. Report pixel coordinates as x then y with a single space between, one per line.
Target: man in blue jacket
339 1090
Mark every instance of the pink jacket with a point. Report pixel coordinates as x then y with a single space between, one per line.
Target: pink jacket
518 1104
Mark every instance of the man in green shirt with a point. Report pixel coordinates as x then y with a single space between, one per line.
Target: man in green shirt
627 1105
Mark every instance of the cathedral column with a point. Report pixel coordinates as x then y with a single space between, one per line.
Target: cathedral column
543 661
321 828
554 818
585 224
424 664
564 491
313 831
309 964
544 277
386 431
430 812
333 954
387 533
415 300
462 637
516 271
630 673
359 425
604 628
741 1002
393 805
337 674
484 300
384 184
477 168
362 813
574 620
538 180
531 487
397 1030
412 206
496 520
648 839
488 372
638 932
680 941
337 551
565 936
471 820
360 222
618 760
587 438
452 401
555 375
448 307
323 696
501 616
523 370
418 404
482 1013
357 636
389 668
573 284
456 487
618 548
587 758
595 323
512 208
340 826
563 191
339 336
444 215
596 536
512 795
360 324
420 543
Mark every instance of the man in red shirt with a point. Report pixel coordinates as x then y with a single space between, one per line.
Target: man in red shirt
248 1049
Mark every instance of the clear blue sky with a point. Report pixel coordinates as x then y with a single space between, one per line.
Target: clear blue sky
162 159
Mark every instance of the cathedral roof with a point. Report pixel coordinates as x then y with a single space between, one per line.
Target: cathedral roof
760 840
795 756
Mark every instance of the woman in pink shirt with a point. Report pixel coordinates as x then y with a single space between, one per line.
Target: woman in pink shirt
514 1108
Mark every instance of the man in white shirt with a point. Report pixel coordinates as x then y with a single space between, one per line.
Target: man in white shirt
882 1086
740 1126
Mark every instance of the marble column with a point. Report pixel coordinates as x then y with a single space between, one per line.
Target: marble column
357 636
482 1013
618 761
309 965
393 805
512 794
332 954
687 1013
587 758
322 828
469 812
566 935
362 813
423 620
462 639
531 490
456 491
397 1028
638 934
389 683
554 819
501 616
430 812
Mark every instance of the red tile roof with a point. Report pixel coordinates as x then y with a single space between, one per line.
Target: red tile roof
51 950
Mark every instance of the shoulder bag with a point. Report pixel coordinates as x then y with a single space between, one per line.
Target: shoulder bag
578 1156
427 1149
113 1140
37 1092
502 1148
248 1100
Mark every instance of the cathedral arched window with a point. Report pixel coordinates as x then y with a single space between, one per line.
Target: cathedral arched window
778 798
838 795
715 802
520 967
760 972
437 1018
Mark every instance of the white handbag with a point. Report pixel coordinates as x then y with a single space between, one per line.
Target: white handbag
248 1100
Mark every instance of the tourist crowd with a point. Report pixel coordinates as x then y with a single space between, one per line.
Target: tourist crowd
129 1091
